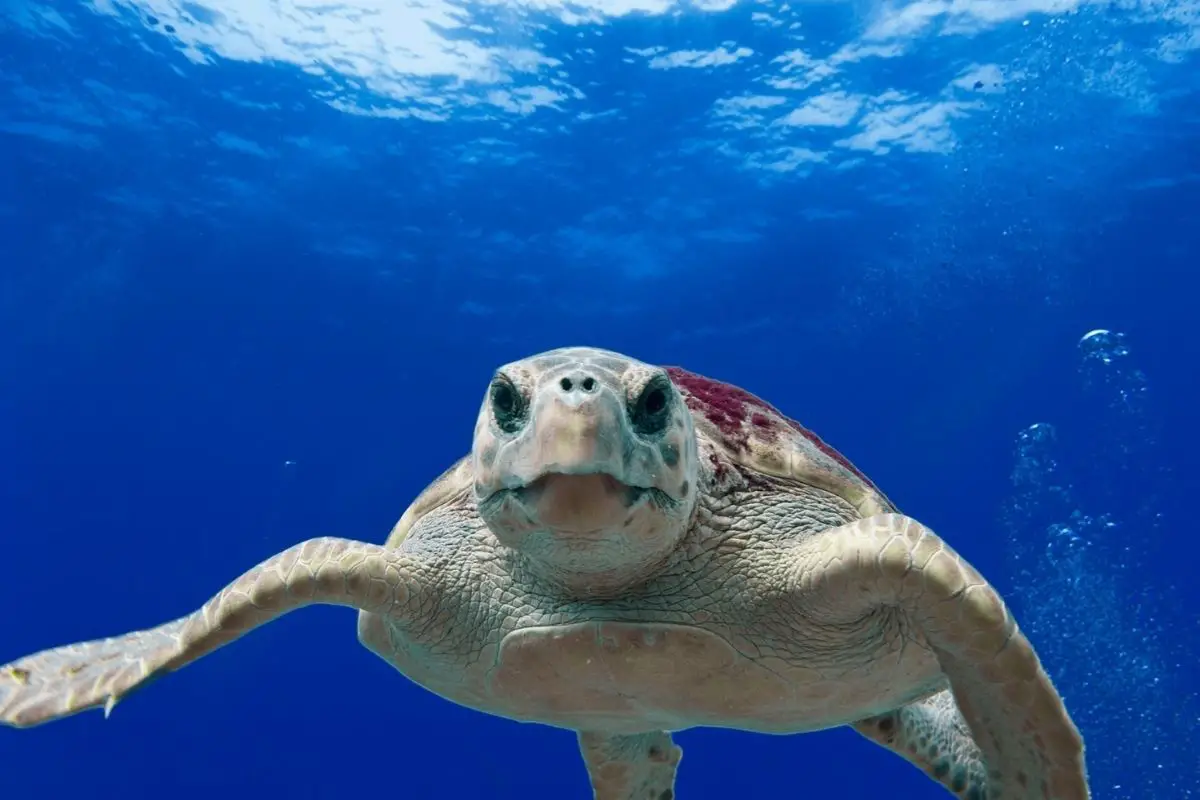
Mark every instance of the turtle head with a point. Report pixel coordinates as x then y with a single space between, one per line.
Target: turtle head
585 462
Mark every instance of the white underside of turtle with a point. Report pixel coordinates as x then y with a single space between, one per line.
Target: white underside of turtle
630 551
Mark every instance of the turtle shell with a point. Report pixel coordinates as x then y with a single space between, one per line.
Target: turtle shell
755 435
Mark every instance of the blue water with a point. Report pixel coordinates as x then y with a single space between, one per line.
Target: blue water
258 261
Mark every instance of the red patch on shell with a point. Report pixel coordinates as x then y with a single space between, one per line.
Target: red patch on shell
728 407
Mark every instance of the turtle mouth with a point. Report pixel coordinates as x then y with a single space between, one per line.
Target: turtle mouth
596 483
580 503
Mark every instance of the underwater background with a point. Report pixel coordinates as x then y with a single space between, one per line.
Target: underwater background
258 260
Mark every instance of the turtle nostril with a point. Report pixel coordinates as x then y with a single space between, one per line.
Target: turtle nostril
578 382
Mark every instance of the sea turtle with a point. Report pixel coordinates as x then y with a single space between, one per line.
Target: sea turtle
631 550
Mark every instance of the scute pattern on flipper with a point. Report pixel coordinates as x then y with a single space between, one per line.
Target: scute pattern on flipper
61 681
1015 716
66 680
932 735
755 434
631 767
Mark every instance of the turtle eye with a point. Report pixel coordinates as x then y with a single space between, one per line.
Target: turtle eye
649 413
507 405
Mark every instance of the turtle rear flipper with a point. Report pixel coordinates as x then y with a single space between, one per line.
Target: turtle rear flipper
65 680
638 766
933 736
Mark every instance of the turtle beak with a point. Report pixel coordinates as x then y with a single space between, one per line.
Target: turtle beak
568 441
577 438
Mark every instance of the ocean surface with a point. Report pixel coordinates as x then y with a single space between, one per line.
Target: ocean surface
259 259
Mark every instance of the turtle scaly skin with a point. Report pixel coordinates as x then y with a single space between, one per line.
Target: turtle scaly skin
630 551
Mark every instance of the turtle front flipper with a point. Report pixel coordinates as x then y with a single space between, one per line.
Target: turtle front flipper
933 736
1030 747
631 767
65 680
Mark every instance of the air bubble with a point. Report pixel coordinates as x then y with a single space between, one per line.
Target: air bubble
1085 513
